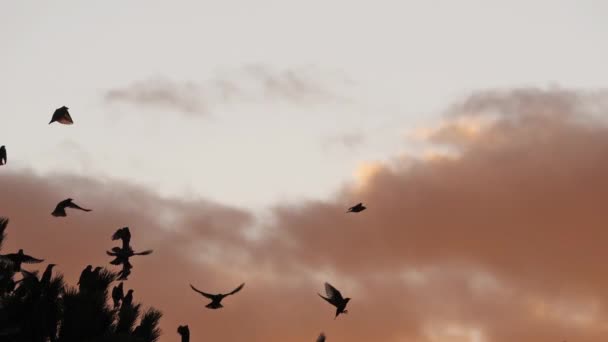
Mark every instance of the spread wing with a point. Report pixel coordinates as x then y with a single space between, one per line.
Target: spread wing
26 259
210 296
321 338
75 206
333 293
327 299
236 290
146 252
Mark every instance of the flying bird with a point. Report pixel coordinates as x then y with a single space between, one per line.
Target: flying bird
2 155
62 116
123 234
217 298
334 297
321 338
184 332
67 203
117 294
16 259
356 208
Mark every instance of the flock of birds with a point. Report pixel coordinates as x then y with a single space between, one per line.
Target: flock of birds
123 253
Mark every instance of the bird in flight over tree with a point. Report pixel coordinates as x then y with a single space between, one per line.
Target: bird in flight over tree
67 203
356 208
16 259
334 297
62 116
217 298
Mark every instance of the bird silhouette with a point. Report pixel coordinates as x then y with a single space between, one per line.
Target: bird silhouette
46 276
356 208
85 275
3 155
117 294
184 332
334 297
62 116
123 234
217 298
122 255
67 203
321 338
125 272
16 259
127 299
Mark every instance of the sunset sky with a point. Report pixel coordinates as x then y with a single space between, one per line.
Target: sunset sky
231 136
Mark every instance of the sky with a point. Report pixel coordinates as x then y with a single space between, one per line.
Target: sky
230 136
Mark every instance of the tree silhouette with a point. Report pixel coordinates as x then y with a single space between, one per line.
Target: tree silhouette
45 308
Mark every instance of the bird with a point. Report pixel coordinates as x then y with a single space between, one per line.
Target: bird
46 276
334 297
67 203
321 338
123 234
85 275
123 255
125 272
117 294
217 298
3 155
16 259
62 116
128 299
184 332
356 208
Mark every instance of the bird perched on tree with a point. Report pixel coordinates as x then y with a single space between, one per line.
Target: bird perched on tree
334 297
3 155
128 299
356 208
16 259
217 298
85 275
321 338
62 116
117 294
46 276
67 203
184 332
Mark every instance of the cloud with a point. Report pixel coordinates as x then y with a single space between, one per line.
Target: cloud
504 241
249 84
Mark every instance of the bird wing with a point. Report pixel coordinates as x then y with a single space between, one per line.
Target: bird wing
332 292
146 252
327 299
236 290
321 338
26 259
75 206
111 253
210 296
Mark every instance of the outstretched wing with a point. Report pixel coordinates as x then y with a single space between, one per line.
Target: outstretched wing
111 253
146 252
210 296
327 299
26 259
321 338
76 206
236 290
333 293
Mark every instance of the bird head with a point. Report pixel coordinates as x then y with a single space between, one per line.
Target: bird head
20 251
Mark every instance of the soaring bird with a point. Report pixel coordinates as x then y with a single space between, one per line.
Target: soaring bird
46 276
334 297
122 255
67 203
217 298
62 116
356 208
117 294
128 299
321 338
16 259
184 332
2 155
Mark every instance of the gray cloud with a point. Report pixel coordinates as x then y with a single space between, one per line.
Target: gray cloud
249 84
